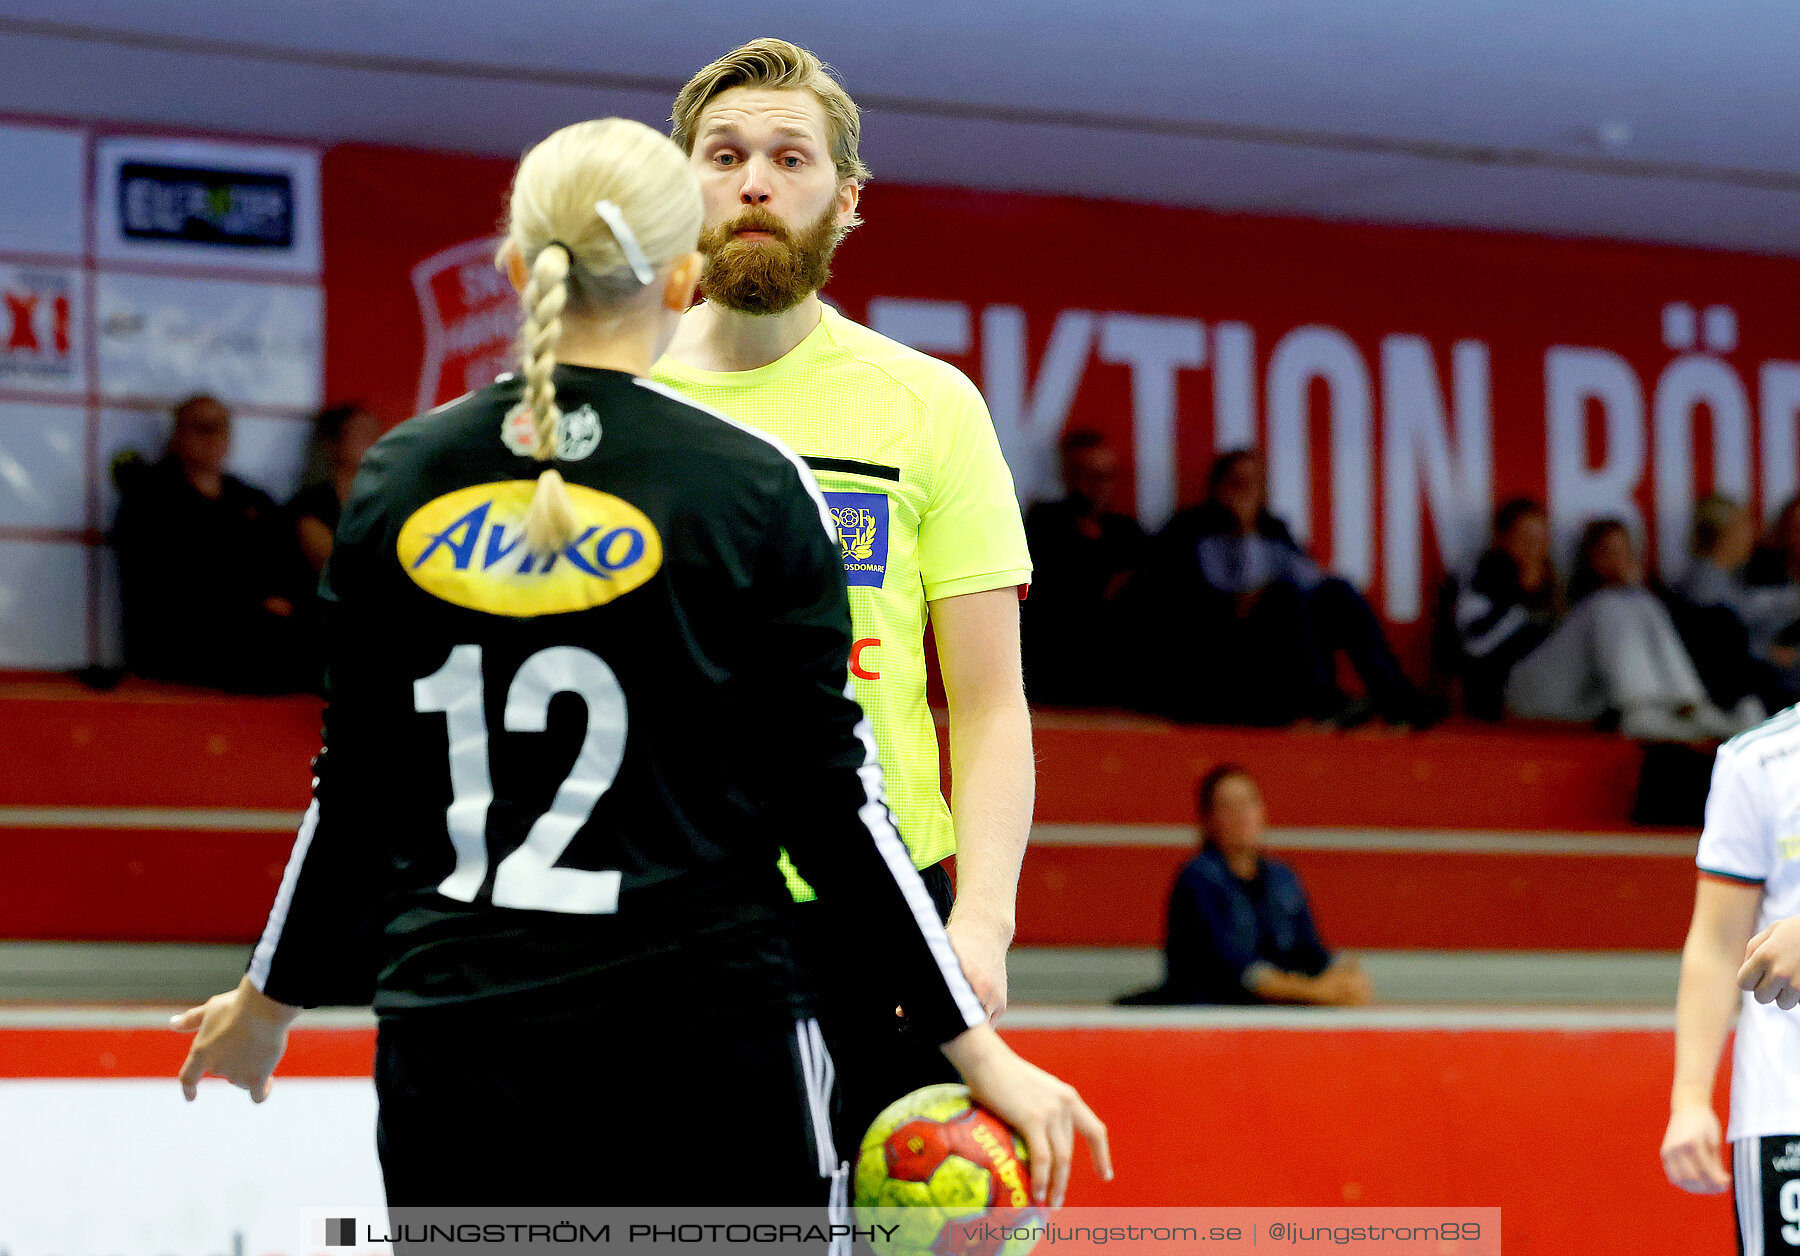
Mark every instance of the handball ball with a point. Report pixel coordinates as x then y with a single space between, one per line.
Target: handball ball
932 1163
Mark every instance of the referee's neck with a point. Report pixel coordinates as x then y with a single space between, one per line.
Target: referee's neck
713 338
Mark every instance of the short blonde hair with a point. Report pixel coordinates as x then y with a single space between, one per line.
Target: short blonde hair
777 65
575 262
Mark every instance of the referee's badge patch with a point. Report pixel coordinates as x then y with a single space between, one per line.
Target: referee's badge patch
862 526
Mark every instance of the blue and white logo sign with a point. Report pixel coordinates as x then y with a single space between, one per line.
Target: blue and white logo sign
862 526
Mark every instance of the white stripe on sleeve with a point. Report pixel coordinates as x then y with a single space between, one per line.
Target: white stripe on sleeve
880 823
264 955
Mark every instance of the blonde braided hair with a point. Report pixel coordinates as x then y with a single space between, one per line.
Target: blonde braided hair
550 520
578 269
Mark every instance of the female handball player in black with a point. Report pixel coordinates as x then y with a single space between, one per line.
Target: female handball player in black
587 676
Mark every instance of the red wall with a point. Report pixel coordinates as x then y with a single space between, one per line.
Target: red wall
1558 1129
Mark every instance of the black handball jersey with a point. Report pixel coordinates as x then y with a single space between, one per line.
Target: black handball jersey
550 783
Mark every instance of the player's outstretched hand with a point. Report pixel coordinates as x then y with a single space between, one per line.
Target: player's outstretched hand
239 1036
1771 971
1690 1151
1046 1111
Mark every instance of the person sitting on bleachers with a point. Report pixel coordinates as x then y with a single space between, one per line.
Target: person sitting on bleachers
1735 633
1258 623
1082 552
341 436
204 567
1506 607
1617 654
1240 930
1776 560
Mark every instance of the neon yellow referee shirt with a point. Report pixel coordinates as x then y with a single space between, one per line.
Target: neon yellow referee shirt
905 453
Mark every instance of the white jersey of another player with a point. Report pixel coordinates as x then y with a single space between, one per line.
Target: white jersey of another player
1752 838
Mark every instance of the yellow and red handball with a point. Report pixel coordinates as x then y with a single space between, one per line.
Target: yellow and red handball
950 1176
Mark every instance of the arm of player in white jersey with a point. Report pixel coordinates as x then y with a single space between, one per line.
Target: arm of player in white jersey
1724 916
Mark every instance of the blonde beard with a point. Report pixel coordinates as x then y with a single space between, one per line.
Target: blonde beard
770 277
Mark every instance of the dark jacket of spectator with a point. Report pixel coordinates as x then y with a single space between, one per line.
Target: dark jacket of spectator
1082 553
1498 622
203 577
1258 623
1732 630
1239 928
1237 651
1233 561
341 436
1222 931
1776 559
1503 610
1069 630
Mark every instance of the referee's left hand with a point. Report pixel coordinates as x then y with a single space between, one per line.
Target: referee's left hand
982 949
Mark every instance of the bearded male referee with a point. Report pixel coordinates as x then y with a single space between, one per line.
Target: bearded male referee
905 451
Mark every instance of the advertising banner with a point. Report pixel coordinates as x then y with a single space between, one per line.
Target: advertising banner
42 329
1402 381
165 337
191 202
469 315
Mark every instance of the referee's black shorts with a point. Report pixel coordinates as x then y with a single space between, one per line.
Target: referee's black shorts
604 1111
878 1058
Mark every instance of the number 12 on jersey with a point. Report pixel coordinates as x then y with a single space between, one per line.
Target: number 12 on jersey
528 878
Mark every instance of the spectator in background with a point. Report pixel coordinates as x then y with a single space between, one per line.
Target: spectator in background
1777 559
1240 930
1507 607
203 566
1618 655
1734 631
341 436
1082 552
1255 625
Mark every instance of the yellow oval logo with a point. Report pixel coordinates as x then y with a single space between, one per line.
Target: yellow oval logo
468 547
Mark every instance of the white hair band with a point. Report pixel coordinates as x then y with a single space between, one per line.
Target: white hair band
628 241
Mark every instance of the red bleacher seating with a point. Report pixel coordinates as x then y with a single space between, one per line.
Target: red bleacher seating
149 813
1115 816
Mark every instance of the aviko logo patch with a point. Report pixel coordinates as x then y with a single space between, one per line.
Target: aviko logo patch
862 525
468 548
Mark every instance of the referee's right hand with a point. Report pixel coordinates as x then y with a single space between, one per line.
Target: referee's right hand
1690 1151
1046 1111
